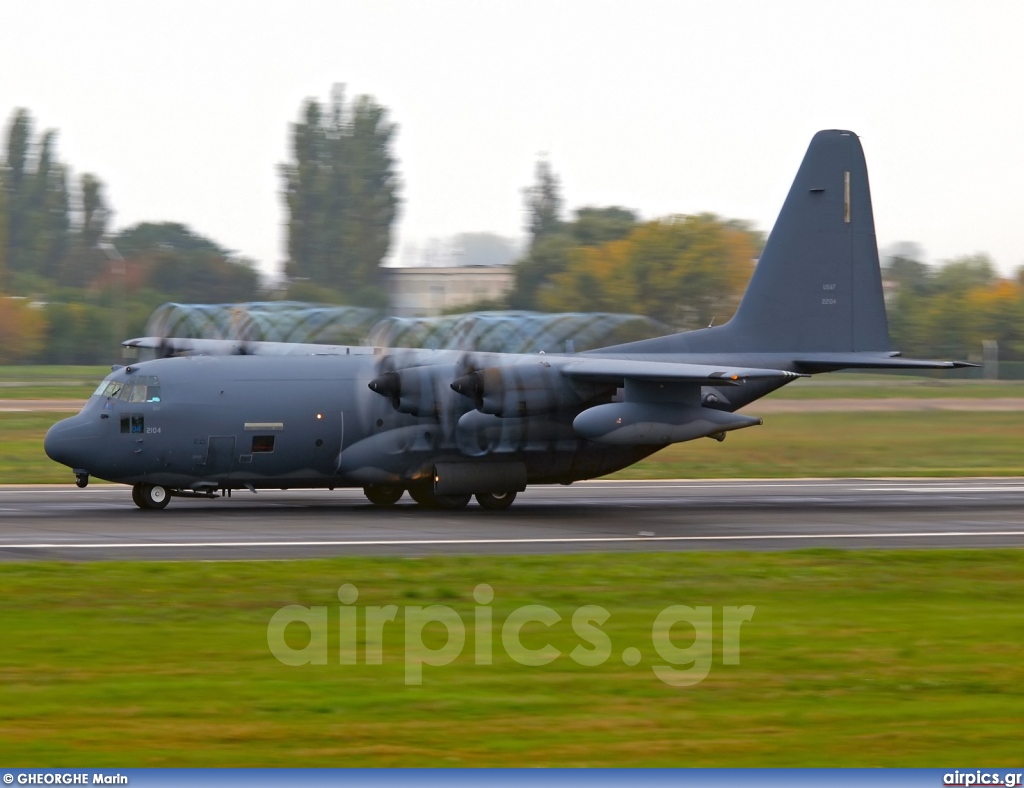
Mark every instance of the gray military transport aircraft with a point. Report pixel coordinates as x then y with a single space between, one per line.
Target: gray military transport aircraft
448 425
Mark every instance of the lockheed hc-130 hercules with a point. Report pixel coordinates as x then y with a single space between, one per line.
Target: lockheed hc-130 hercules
448 425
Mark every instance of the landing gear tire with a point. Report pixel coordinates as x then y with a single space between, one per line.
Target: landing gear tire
496 502
151 496
81 480
383 494
425 496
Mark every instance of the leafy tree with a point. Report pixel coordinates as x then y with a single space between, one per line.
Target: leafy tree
341 191
186 266
22 330
16 188
543 204
951 310
548 256
48 218
37 203
78 333
95 212
595 226
3 233
552 240
684 271
172 236
961 274
87 261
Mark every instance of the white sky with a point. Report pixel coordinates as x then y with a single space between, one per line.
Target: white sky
183 108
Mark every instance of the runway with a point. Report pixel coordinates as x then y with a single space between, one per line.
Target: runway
101 523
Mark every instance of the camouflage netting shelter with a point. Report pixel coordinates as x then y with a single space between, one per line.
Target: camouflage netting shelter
265 321
506 332
514 332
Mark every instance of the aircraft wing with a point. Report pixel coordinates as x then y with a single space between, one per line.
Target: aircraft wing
167 346
615 371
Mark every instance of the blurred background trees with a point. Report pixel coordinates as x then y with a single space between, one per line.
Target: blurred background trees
341 191
72 287
951 309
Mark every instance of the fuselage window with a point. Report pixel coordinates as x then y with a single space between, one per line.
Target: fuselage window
133 423
262 443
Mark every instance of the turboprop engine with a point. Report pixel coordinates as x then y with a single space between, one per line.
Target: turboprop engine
520 390
415 390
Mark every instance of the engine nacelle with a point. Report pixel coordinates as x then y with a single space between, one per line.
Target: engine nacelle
654 423
414 390
519 390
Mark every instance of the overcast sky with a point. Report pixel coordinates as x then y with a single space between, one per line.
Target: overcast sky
183 108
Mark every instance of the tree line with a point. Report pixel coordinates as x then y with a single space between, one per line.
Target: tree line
74 288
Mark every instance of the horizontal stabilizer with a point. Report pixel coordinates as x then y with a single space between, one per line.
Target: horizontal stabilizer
829 362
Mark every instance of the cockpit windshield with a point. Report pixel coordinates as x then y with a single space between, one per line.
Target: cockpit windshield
144 388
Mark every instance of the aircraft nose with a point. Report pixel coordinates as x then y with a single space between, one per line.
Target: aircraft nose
69 441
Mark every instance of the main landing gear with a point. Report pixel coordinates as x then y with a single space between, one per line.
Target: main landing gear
150 496
383 494
423 493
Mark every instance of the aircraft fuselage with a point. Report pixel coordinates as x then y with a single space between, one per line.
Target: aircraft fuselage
207 423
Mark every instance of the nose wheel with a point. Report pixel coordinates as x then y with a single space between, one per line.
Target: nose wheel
150 496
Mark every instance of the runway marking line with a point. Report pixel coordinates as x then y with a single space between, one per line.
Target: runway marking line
546 540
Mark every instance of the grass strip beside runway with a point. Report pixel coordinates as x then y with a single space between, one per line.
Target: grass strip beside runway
895 443
901 658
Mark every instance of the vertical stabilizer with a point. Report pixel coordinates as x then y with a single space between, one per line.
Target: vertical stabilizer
817 287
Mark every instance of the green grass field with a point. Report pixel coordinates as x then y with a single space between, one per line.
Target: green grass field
889 443
857 658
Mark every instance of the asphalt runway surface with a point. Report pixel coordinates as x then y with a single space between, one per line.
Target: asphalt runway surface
52 522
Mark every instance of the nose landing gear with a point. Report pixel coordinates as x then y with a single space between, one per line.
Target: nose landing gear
81 479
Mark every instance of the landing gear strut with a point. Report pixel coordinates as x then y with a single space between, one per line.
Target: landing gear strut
150 496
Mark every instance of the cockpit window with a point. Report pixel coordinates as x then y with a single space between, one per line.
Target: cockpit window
145 388
113 388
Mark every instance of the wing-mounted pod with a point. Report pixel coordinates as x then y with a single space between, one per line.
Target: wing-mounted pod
653 423
658 412
519 390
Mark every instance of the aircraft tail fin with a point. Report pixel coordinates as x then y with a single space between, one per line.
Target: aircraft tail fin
817 286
